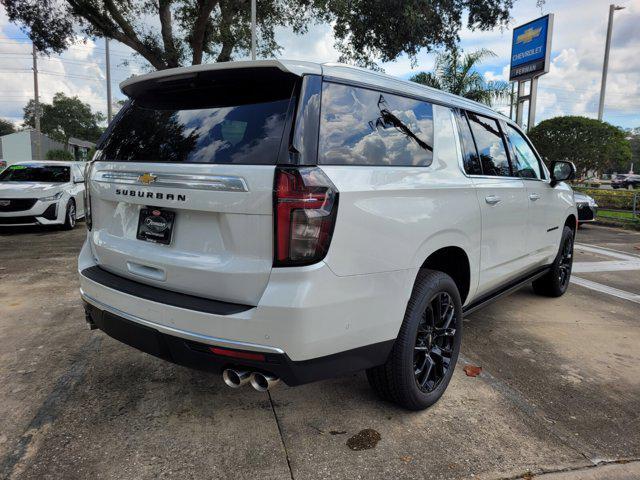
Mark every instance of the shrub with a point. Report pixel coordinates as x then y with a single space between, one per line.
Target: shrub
60 154
615 199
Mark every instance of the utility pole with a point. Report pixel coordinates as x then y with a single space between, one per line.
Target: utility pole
253 29
36 103
108 64
605 66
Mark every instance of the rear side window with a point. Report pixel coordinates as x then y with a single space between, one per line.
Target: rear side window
239 134
525 162
365 127
469 152
490 145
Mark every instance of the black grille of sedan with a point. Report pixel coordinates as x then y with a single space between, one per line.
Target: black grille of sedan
585 212
16 204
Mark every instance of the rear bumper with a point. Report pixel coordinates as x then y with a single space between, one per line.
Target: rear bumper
199 356
316 324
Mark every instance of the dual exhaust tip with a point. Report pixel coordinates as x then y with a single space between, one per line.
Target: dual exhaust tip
260 381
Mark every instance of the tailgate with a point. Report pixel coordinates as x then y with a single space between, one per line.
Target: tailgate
182 187
221 239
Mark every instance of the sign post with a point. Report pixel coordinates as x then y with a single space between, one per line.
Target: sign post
530 58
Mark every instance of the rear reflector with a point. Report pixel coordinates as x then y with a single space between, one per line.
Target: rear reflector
258 357
305 206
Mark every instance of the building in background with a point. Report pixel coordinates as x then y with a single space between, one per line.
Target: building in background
22 146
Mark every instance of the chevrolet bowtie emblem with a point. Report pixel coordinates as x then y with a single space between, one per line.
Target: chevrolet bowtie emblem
147 178
528 35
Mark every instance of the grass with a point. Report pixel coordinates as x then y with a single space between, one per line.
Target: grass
618 215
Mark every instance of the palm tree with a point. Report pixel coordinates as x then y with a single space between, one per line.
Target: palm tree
455 73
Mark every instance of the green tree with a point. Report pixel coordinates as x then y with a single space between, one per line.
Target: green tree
60 155
65 117
170 33
6 127
590 144
456 73
634 141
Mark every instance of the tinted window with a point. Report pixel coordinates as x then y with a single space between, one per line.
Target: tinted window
36 173
525 162
469 152
493 154
365 127
248 134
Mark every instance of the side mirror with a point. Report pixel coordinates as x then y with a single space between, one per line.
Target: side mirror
562 171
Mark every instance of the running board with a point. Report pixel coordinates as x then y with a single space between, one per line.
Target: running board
510 287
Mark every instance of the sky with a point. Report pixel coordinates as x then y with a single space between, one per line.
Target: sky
571 87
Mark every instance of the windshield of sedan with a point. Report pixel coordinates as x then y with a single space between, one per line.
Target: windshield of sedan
36 173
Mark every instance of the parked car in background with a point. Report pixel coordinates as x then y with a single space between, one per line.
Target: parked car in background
587 207
628 181
3 165
42 193
288 220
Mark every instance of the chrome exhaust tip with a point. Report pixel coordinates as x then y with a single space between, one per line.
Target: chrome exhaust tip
263 381
235 378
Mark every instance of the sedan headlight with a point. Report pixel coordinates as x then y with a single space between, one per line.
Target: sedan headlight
51 198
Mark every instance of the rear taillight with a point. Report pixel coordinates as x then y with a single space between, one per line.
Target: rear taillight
305 208
87 194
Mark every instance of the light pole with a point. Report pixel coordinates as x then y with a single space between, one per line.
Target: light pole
605 66
36 104
108 66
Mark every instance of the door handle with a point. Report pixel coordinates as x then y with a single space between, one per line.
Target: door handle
492 199
534 197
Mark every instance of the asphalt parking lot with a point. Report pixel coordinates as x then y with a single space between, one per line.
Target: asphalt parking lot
558 396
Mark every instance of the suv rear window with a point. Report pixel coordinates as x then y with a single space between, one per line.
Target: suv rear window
241 134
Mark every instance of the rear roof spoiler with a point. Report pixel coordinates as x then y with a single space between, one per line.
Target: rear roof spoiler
131 86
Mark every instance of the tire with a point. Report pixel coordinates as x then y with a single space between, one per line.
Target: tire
70 219
422 353
556 281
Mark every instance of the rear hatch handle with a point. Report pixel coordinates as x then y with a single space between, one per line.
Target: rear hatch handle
147 271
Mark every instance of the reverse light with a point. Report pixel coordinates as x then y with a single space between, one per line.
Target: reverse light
51 198
305 207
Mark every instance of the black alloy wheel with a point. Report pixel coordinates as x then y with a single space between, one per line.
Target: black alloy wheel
434 342
566 262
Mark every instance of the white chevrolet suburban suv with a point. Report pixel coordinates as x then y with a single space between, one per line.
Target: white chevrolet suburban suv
288 220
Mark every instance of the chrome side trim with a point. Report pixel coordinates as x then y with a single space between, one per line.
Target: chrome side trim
219 183
220 342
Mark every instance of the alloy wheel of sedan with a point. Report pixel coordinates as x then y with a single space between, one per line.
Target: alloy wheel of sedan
71 215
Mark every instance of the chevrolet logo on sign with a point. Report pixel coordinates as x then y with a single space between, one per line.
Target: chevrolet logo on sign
528 35
147 178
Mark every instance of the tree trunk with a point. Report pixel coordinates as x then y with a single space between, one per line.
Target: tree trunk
199 27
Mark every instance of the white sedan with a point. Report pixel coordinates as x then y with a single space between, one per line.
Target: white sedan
42 193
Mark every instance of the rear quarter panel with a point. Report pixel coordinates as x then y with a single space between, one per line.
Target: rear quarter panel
393 218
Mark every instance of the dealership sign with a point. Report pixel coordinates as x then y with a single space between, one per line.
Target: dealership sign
531 48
